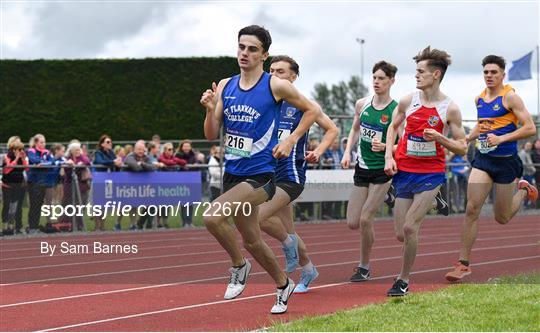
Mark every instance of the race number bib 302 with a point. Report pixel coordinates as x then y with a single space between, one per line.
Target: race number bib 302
369 132
484 146
417 146
238 145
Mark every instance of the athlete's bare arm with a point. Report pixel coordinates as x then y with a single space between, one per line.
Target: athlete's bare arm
211 100
473 134
458 144
398 117
283 89
354 133
515 104
330 134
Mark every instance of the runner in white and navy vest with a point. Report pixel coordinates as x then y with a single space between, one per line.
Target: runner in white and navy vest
276 215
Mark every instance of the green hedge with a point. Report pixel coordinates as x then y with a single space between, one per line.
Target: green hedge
128 99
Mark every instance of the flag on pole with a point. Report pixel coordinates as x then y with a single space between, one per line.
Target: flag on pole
521 68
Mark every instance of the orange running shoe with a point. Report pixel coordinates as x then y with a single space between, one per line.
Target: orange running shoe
460 271
532 192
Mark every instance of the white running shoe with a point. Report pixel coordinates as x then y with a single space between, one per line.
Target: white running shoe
238 280
282 298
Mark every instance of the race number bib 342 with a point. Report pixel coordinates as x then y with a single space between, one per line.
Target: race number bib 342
417 146
369 132
484 146
238 145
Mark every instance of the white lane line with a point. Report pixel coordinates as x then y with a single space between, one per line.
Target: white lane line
157 268
225 277
91 262
193 306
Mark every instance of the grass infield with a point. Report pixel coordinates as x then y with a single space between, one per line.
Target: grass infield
510 303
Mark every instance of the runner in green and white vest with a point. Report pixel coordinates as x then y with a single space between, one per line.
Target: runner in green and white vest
373 115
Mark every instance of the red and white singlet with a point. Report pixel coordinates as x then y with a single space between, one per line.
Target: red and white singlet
414 154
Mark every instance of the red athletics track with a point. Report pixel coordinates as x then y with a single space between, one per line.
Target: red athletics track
177 279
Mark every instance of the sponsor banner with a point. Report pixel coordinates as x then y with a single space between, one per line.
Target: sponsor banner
146 188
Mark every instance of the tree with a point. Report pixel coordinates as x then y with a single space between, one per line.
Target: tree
340 98
323 96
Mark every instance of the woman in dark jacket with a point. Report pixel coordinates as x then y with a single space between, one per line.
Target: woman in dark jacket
105 156
13 186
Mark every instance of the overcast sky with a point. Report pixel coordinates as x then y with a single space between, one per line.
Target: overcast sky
319 35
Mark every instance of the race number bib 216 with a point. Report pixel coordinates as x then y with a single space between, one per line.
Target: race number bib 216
238 145
418 146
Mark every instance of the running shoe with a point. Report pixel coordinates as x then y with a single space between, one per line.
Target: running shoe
360 275
532 192
291 254
442 206
238 280
399 288
390 198
460 271
282 298
305 279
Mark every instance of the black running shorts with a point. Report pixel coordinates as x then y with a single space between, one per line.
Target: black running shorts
264 180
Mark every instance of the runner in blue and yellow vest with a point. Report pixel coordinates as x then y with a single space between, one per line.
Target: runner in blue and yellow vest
496 164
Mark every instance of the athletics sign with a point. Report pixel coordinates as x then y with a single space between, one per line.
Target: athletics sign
327 185
146 188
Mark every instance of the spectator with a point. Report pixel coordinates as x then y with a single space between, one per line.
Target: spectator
13 186
458 182
106 157
138 161
528 168
311 146
332 157
153 154
157 140
535 157
332 160
128 149
84 150
186 153
77 160
216 173
37 156
168 159
120 152
53 179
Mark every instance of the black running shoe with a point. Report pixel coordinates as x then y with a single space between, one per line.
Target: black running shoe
360 275
399 288
390 198
442 206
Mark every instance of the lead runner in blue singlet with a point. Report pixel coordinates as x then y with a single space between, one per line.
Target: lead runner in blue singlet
248 105
276 215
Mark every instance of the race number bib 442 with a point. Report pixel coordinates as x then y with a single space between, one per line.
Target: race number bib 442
238 145
369 132
417 146
484 146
